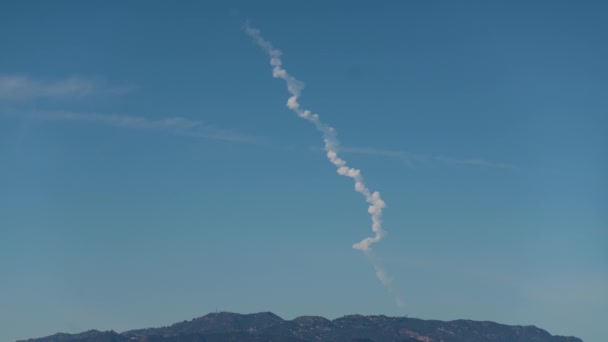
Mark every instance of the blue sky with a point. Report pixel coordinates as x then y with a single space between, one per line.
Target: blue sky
150 171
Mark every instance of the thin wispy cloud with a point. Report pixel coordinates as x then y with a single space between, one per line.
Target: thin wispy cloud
14 88
417 159
173 125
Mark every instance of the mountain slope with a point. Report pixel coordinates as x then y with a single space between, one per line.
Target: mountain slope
266 326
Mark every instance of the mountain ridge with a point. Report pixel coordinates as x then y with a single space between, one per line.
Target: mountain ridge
266 327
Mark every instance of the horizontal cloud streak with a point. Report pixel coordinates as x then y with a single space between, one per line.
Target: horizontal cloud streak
21 88
411 158
173 125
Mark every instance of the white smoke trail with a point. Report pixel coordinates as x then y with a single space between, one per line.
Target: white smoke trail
376 204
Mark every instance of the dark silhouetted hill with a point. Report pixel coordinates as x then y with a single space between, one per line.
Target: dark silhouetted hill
268 327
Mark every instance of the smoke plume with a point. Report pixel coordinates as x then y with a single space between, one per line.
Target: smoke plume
376 204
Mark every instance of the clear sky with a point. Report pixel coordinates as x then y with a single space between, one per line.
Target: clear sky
150 171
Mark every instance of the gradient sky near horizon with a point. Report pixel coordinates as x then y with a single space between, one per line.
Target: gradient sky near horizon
150 171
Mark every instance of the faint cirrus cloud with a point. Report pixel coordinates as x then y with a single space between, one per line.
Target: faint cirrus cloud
414 158
16 88
175 125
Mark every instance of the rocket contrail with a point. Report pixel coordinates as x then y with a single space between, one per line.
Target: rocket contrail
376 204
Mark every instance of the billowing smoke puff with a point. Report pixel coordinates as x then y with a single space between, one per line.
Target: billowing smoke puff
376 204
